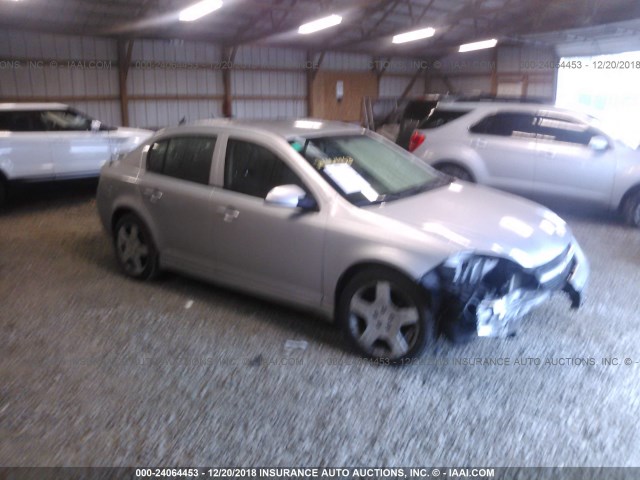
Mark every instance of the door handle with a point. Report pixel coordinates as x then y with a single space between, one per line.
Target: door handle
229 213
153 194
480 142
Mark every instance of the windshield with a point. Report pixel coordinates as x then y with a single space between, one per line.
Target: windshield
366 170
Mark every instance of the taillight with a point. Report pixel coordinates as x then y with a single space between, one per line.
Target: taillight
416 140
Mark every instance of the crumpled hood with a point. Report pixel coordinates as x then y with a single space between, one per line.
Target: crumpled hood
481 219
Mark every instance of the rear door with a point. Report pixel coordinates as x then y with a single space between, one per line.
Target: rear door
25 147
506 142
176 192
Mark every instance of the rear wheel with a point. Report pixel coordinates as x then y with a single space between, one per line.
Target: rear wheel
631 210
135 249
456 171
384 315
3 192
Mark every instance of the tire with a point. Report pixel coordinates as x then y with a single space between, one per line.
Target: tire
3 192
134 247
631 210
374 301
457 171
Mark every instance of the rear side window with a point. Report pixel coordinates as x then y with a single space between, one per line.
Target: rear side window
441 117
507 124
155 156
186 158
22 121
254 170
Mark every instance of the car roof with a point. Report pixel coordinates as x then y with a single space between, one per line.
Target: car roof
510 106
306 127
32 106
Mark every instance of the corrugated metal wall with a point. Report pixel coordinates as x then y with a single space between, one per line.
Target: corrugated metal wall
81 71
278 75
518 70
173 79
170 79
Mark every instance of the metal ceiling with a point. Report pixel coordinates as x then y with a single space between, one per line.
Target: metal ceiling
367 26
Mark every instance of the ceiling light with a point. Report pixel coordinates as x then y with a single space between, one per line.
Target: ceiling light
200 9
320 24
414 35
469 47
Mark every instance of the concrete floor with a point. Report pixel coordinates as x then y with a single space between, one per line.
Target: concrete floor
100 370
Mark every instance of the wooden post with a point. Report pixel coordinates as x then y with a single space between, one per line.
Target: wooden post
125 49
229 55
312 72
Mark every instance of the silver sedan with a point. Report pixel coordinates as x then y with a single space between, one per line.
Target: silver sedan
337 219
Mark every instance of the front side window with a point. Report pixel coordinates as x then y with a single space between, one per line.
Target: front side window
507 124
254 170
66 120
185 158
366 170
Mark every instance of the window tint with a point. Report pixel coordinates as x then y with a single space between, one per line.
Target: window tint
441 117
507 124
26 121
155 156
186 158
418 109
255 170
65 120
555 128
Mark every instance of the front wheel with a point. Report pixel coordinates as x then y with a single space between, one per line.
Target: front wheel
631 210
135 249
456 171
384 315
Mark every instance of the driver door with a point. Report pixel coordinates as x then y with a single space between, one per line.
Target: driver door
76 149
270 249
567 166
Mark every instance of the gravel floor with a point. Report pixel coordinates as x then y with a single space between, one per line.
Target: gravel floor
98 370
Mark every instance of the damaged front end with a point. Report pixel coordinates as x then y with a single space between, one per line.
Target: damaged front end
482 295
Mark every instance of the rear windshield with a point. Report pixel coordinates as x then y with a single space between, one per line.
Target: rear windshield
441 117
418 109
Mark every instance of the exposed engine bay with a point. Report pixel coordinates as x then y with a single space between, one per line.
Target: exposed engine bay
483 296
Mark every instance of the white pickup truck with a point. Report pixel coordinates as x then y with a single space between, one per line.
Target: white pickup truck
52 141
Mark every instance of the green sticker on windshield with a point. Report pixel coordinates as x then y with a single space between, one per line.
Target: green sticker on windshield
297 146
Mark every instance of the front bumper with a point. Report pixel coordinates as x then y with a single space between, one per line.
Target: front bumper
490 312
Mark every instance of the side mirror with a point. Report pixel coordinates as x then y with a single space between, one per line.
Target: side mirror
95 125
289 196
598 143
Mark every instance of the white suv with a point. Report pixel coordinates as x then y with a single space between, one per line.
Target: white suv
52 141
533 150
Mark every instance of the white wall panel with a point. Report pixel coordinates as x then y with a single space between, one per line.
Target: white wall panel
254 57
346 61
394 86
270 109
